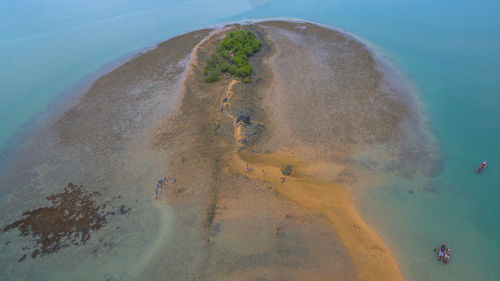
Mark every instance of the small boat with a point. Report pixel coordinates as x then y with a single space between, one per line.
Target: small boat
481 167
441 251
440 256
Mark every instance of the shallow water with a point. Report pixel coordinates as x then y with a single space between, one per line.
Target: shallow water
102 144
450 49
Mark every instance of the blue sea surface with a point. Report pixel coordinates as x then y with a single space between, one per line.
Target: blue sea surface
449 49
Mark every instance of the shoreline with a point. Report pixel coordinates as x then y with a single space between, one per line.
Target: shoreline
69 97
103 144
66 100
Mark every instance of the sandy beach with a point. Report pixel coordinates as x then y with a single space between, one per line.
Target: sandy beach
267 198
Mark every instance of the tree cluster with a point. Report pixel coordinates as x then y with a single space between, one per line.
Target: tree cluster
232 55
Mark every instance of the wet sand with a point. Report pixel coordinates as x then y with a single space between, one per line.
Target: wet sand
103 144
300 116
318 102
254 229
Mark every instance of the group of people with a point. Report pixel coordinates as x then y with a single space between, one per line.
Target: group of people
248 169
243 139
160 184
444 253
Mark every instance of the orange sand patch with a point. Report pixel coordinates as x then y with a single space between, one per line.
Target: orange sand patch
372 259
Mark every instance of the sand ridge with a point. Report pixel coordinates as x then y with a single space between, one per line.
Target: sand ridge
255 233
317 99
370 256
224 127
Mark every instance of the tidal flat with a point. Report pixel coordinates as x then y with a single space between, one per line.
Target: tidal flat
321 116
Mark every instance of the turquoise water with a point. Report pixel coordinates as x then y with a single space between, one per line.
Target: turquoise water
47 46
450 49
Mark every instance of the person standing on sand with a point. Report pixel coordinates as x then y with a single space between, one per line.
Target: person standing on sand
155 196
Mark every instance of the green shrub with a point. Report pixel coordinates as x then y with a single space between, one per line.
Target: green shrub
224 66
232 55
243 71
224 54
246 80
239 61
214 76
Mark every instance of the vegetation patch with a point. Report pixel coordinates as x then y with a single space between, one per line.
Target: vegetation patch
232 56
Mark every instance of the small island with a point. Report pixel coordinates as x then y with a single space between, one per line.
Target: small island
275 160
266 172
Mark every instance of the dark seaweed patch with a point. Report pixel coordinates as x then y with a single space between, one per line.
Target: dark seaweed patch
70 219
